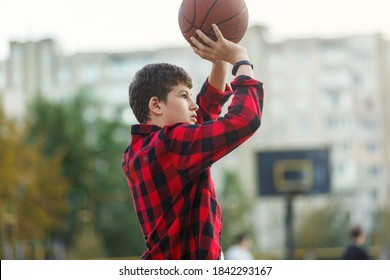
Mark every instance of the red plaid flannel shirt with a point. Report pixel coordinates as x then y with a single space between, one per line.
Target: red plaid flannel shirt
168 172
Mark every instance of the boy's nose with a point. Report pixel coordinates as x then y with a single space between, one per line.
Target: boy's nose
194 106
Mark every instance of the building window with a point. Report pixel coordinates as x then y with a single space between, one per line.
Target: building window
120 68
90 73
371 147
369 125
65 75
2 76
369 104
374 170
332 98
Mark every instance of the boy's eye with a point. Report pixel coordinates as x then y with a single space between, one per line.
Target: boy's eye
184 95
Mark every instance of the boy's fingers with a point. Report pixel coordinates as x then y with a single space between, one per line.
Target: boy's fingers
196 43
217 32
196 50
204 37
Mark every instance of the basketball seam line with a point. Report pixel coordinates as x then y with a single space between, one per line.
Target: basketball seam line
225 20
208 13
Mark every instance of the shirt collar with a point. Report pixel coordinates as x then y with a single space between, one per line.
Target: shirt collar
144 129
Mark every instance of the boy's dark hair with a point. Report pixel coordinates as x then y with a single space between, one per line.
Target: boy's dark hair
241 237
355 232
154 80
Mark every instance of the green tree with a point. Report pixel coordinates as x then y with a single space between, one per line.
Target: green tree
32 190
325 227
380 234
236 208
93 142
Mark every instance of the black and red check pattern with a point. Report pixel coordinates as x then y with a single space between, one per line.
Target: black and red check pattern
168 172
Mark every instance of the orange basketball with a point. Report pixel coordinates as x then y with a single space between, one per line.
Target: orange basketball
231 17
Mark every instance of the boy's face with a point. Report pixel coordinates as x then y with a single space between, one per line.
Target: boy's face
179 106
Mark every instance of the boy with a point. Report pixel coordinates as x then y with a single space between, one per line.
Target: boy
168 161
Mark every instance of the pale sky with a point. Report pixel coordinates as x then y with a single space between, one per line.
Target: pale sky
124 25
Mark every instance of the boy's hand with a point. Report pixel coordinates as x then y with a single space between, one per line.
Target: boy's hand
220 50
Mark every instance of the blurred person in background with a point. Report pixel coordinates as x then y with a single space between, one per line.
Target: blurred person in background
356 250
241 249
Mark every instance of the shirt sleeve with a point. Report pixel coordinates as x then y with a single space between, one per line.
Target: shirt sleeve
210 101
195 147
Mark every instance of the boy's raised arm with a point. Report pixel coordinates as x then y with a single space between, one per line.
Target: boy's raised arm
217 78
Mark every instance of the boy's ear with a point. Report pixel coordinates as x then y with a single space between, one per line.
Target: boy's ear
154 106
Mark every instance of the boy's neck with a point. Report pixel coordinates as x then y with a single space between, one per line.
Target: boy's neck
156 122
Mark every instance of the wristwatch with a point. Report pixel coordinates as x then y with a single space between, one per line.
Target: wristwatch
238 64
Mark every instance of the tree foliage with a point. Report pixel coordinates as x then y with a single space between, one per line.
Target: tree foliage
32 189
92 140
324 227
236 208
